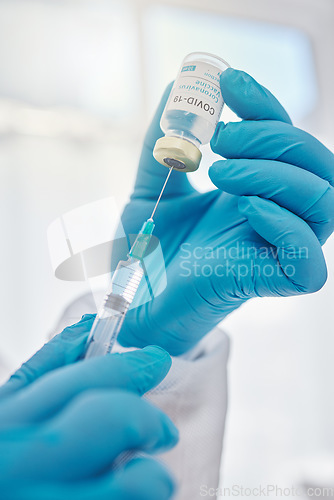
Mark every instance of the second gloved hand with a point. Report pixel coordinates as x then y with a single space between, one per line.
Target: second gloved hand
259 234
63 427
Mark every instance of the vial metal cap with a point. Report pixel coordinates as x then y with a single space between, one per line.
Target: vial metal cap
177 153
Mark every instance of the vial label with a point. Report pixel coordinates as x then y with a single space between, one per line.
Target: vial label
197 90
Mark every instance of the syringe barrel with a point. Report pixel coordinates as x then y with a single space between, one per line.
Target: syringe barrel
109 319
106 326
126 279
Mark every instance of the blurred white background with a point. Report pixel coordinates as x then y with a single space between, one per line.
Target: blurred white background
79 81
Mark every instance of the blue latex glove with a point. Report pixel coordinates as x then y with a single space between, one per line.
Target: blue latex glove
275 196
62 427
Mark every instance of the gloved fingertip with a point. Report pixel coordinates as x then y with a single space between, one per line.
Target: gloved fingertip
157 351
148 367
245 203
86 317
171 484
231 79
216 136
255 205
170 86
215 172
212 172
154 131
158 354
228 74
81 327
161 481
171 434
173 430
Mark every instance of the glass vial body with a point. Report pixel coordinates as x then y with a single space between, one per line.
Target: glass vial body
192 111
195 102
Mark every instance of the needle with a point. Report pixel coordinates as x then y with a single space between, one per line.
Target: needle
162 190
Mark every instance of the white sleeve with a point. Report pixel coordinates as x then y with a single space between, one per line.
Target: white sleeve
194 395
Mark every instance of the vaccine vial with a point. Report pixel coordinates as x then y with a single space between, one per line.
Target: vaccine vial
192 112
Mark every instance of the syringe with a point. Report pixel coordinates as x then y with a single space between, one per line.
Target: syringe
121 292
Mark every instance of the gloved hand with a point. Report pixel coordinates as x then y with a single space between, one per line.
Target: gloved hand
259 234
62 427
